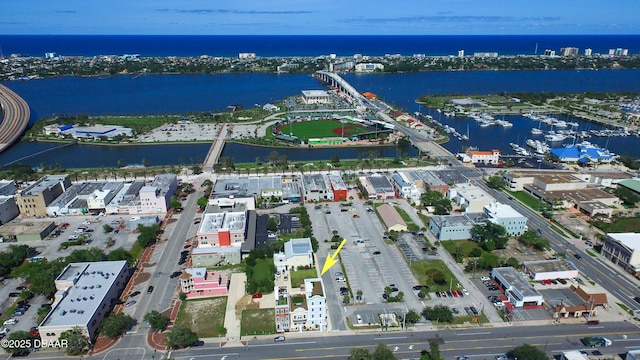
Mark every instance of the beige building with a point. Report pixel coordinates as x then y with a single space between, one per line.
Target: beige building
391 218
33 200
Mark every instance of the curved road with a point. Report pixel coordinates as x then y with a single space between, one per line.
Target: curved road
15 119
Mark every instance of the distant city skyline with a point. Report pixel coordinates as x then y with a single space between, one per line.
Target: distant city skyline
319 17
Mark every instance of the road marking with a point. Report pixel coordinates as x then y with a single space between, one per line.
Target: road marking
278 344
210 355
475 333
595 327
392 338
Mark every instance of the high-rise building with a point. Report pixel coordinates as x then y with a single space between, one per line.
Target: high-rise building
587 52
549 52
460 53
569 51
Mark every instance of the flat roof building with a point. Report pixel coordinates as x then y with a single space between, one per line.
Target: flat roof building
338 187
33 200
550 269
315 97
504 215
469 197
264 186
316 187
623 249
86 292
156 197
455 227
8 208
517 290
391 218
297 252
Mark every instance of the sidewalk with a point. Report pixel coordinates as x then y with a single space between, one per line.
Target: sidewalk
232 318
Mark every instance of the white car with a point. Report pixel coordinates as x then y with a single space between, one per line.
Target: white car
485 278
10 322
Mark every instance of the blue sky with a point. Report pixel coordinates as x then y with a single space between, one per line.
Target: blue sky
319 17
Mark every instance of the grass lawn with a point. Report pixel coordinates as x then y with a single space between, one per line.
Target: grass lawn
462 247
138 123
263 272
323 128
203 316
623 225
258 322
482 318
298 276
527 199
425 271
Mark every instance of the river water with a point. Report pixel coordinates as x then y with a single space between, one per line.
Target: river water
179 94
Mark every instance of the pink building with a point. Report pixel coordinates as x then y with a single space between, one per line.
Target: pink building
200 283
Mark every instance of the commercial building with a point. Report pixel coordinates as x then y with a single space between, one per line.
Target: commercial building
455 227
469 197
100 198
405 187
215 256
144 220
33 200
222 227
8 209
377 186
569 51
156 198
550 269
261 187
199 283
86 292
108 132
316 187
391 218
27 230
297 252
623 249
127 200
582 153
517 290
315 97
338 187
633 355
316 305
504 215
482 157
369 67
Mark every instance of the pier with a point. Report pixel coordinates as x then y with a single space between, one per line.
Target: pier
216 149
15 117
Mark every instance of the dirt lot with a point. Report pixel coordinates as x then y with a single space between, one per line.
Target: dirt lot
204 317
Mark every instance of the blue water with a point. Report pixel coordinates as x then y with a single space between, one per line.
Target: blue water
174 94
297 45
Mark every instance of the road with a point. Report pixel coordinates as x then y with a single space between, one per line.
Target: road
15 118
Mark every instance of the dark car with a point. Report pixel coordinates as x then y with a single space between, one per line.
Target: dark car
376 252
14 294
21 287
135 293
562 281
198 343
577 256
175 274
385 296
596 352
593 322
149 289
417 287
637 299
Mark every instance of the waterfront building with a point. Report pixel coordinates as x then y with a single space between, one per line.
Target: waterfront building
550 53
623 249
584 153
507 217
246 56
316 187
86 293
156 198
517 290
485 54
391 218
265 187
33 200
588 52
341 66
569 51
315 97
297 252
460 53
198 283
484 157
369 67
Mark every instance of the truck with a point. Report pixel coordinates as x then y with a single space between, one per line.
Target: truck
594 341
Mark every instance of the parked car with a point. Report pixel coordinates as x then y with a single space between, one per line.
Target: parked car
376 252
149 289
485 278
14 294
21 287
11 321
187 246
593 322
175 274
356 216
198 343
417 287
562 281
256 296
135 293
278 338
130 303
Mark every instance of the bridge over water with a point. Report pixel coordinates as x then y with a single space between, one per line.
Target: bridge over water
15 117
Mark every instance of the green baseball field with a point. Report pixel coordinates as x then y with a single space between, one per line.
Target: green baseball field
305 130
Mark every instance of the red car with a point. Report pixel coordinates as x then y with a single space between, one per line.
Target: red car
187 246
256 296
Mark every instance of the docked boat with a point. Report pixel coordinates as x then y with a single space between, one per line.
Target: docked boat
536 131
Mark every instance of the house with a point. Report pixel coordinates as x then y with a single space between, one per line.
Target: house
297 252
199 283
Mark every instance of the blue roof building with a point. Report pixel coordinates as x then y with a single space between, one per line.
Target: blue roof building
583 152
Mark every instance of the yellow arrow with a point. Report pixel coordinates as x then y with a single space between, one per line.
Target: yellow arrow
332 259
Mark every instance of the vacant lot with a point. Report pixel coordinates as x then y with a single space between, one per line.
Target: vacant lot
435 274
258 322
298 276
204 317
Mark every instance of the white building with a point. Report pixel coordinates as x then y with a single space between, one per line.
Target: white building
297 252
506 216
102 197
369 67
470 197
516 288
316 301
550 269
315 97
483 157
156 198
86 292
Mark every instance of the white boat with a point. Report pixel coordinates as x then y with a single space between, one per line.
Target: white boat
536 131
554 137
560 124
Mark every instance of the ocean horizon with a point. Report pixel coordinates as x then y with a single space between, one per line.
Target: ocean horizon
307 45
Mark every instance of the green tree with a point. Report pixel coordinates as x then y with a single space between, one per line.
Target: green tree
527 352
179 337
222 330
107 228
86 255
532 239
490 236
156 320
120 254
272 225
496 182
442 205
626 195
382 352
434 350
202 202
116 324
196 170
439 313
359 353
403 145
412 317
175 203
17 351
77 342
